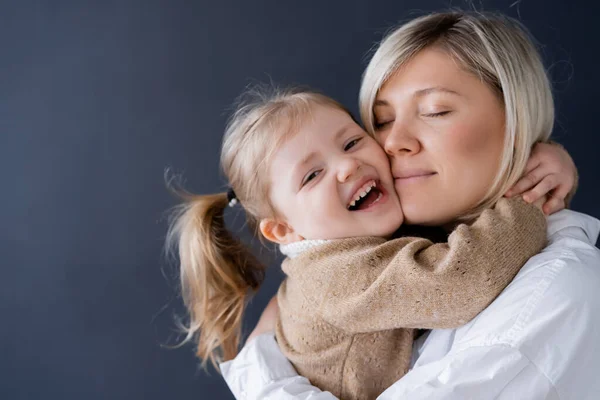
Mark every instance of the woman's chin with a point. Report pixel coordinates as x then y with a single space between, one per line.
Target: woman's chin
425 211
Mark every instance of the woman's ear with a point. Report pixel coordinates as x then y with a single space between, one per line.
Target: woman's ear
278 232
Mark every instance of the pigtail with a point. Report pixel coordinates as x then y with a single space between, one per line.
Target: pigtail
217 271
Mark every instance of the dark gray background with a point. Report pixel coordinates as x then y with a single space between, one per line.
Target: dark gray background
98 98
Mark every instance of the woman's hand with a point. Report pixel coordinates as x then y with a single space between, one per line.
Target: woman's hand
549 171
267 320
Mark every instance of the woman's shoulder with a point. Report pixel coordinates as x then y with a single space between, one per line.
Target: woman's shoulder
554 286
570 262
570 252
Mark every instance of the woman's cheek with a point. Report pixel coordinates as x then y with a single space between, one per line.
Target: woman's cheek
461 138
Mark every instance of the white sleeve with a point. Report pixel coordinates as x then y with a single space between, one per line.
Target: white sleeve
491 372
261 372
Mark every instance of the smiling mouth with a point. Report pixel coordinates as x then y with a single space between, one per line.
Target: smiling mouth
367 196
415 177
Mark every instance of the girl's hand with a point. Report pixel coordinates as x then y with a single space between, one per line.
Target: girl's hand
549 171
267 320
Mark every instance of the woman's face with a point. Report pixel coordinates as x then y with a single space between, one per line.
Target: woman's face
443 130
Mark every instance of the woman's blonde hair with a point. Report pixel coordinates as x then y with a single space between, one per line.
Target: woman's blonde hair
495 48
217 271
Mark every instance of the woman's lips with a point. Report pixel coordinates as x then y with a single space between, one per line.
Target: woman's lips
413 177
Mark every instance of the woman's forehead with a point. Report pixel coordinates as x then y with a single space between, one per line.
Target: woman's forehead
430 72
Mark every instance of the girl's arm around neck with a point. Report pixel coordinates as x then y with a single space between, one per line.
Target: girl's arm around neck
366 284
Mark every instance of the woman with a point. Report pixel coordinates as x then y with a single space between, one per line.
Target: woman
457 101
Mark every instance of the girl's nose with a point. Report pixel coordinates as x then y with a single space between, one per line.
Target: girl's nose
348 167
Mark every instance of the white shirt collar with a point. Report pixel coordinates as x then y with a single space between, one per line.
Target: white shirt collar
573 219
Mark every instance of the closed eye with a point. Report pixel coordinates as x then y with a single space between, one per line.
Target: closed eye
381 125
437 114
351 144
310 177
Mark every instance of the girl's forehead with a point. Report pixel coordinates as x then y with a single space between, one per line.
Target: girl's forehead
317 136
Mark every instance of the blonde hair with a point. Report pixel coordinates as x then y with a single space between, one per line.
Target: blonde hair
217 271
495 48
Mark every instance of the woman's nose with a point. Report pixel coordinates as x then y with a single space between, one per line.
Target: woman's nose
401 141
347 168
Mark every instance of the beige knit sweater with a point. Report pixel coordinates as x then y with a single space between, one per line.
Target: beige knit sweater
348 306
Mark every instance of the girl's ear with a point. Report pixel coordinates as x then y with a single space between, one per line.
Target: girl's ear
278 232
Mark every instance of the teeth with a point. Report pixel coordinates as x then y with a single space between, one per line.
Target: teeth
362 192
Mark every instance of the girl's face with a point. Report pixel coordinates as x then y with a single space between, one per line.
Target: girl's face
443 130
331 180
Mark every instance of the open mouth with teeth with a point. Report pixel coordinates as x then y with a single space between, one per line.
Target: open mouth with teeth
365 197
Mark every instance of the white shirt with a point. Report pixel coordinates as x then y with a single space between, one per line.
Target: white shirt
540 339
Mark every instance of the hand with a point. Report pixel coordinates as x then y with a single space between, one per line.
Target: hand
550 171
267 320
539 203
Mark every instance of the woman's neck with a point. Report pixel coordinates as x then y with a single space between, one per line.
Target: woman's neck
436 234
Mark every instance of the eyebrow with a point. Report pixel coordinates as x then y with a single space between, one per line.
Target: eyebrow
421 93
425 92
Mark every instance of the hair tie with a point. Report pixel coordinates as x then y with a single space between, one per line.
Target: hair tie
231 197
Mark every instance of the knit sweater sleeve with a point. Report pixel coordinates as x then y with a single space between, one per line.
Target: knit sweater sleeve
368 284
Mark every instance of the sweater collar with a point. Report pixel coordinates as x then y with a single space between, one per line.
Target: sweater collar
294 249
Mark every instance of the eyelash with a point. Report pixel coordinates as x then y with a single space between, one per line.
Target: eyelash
355 141
438 114
308 177
379 125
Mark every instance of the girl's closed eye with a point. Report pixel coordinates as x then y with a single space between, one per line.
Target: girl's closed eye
311 176
352 143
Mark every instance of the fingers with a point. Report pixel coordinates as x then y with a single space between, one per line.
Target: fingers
539 203
562 190
549 171
553 205
534 161
529 180
557 200
542 188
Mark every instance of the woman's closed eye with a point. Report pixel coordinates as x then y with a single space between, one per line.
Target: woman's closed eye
437 114
381 125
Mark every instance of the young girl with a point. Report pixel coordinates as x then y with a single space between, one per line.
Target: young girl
311 179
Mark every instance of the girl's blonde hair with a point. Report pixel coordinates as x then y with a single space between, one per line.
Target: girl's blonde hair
495 48
217 271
